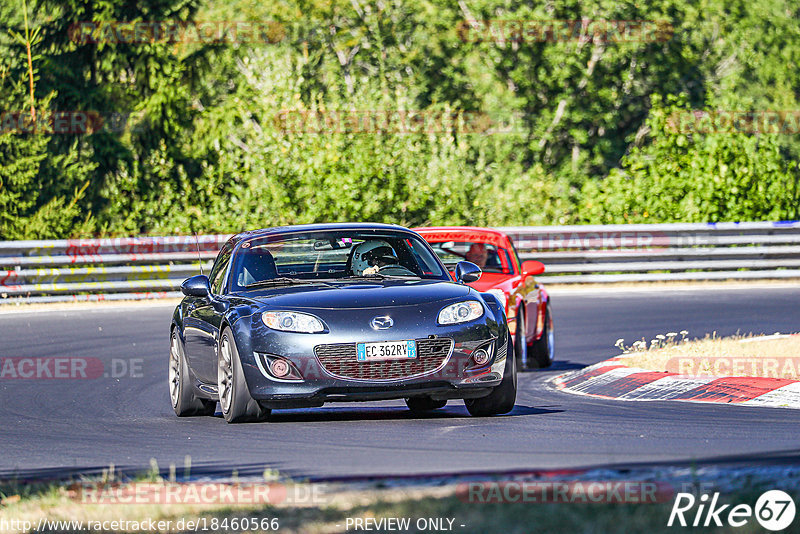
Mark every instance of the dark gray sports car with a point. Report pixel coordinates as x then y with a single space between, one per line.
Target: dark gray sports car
298 316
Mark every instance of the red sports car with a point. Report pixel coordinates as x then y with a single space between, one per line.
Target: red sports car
511 280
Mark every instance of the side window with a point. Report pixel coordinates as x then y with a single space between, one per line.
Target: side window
217 276
518 268
505 261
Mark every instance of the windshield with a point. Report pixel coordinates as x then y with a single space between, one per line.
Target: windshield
343 254
488 257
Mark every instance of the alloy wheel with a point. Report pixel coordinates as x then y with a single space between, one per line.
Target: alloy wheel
174 370
225 375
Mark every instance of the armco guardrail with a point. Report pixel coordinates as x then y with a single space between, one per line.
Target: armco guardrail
656 252
102 269
154 267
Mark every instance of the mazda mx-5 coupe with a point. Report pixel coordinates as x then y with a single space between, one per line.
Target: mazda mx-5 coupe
298 316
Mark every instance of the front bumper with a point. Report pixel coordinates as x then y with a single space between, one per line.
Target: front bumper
444 368
434 390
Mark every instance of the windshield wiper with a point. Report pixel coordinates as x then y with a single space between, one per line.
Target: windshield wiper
374 276
286 281
379 276
280 281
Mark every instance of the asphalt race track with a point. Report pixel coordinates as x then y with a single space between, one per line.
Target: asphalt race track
57 427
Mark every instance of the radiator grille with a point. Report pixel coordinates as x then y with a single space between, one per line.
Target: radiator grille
340 360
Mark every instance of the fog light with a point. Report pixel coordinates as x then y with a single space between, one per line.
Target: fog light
279 368
481 357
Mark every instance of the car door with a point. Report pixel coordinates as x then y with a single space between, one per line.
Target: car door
202 320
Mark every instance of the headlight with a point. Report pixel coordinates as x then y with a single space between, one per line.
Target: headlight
501 296
292 322
461 312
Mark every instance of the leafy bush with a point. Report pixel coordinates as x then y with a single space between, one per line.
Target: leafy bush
205 148
692 177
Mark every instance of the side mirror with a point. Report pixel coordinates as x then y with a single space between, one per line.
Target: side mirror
197 286
532 267
467 272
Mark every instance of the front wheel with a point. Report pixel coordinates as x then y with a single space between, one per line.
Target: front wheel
501 399
543 349
234 397
181 393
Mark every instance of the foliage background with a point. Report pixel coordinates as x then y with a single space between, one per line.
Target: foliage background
202 146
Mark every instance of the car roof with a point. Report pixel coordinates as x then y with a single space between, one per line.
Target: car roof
277 230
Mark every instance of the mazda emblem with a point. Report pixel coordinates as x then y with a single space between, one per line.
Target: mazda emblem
382 322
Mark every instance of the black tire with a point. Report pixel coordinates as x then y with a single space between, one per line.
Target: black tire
181 391
501 399
240 407
543 349
522 350
424 404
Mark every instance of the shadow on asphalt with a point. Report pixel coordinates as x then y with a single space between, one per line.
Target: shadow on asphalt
557 366
530 410
333 414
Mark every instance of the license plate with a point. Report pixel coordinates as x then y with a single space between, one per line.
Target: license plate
386 350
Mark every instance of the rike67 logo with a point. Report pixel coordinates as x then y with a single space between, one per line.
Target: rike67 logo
774 510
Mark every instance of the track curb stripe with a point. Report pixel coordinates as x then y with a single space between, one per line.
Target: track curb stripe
666 388
611 379
783 397
634 381
733 389
601 385
571 381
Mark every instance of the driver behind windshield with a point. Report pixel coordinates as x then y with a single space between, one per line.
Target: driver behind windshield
477 254
376 256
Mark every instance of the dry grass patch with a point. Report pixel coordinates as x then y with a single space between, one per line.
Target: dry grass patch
742 356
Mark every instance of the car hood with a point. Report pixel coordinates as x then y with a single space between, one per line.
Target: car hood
358 294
